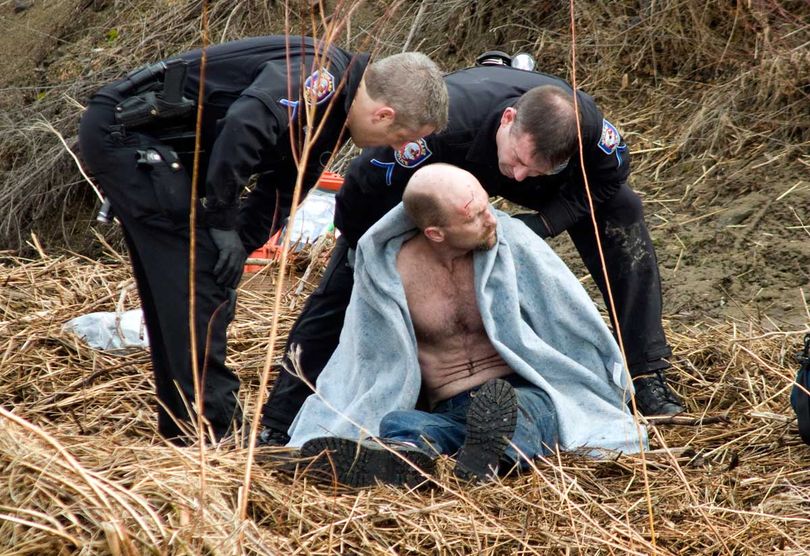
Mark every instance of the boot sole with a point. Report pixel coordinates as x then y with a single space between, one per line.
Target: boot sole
359 465
491 422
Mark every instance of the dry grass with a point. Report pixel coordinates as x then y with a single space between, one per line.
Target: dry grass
84 471
709 94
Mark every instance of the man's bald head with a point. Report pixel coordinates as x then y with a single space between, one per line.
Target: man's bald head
435 191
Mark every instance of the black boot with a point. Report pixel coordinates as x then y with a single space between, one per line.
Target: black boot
361 464
491 422
654 396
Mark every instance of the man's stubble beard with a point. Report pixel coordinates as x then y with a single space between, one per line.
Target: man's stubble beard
485 244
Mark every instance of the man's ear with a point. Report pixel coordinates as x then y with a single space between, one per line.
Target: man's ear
434 234
382 114
508 115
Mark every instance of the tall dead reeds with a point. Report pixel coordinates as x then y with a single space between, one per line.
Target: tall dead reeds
83 469
691 83
702 91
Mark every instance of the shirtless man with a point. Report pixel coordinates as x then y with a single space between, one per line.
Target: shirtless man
475 405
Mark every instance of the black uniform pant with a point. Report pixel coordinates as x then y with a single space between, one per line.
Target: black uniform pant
634 278
316 332
147 197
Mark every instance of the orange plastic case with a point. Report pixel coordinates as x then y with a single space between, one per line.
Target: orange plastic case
329 181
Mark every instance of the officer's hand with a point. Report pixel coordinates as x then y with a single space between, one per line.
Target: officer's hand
232 255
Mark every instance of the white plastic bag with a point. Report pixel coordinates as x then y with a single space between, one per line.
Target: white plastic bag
111 331
313 218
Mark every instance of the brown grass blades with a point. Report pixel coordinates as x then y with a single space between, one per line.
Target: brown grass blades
301 143
82 469
608 287
710 96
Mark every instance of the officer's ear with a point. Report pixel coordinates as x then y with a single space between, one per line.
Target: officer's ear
434 234
508 116
383 114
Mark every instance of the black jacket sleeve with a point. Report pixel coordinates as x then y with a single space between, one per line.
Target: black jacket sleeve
247 135
374 184
266 207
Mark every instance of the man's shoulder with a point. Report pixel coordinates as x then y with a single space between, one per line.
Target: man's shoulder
409 251
293 44
410 263
505 76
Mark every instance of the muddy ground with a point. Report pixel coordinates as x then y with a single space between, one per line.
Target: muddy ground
736 251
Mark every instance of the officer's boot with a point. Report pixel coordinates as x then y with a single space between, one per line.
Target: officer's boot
654 396
272 437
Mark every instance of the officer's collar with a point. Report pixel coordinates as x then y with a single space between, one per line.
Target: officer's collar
484 148
356 69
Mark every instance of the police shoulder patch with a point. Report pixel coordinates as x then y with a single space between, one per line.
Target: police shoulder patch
319 86
610 138
412 154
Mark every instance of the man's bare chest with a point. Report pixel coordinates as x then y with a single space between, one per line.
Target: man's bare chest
442 304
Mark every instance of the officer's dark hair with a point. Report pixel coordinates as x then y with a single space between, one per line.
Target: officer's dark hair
546 114
411 84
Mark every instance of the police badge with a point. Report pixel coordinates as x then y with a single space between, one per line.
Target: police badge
412 154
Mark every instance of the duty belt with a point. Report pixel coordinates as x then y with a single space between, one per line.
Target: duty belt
147 102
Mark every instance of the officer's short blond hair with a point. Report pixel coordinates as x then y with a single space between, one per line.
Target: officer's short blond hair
411 84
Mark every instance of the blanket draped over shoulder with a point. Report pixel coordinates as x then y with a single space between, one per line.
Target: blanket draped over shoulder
537 315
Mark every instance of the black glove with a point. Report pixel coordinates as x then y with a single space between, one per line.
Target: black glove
232 255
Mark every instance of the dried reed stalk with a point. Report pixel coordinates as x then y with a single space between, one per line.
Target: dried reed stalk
84 470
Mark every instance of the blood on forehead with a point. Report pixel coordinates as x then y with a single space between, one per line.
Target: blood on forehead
466 209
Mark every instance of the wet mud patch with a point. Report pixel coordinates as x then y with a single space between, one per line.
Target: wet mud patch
744 255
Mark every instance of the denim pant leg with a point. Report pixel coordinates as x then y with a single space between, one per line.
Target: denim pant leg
439 432
536 431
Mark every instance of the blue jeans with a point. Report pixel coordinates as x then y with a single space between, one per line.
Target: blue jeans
443 430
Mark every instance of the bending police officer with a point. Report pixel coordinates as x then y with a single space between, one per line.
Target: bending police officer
515 131
136 138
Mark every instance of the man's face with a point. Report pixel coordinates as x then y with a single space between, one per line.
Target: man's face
471 224
516 152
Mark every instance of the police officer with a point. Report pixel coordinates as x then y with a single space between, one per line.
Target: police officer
264 99
514 130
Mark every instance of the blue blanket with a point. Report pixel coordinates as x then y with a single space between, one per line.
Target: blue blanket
537 315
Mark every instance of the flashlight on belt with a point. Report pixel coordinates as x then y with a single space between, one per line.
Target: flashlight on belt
105 213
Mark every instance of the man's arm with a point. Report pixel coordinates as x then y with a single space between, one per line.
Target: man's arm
268 205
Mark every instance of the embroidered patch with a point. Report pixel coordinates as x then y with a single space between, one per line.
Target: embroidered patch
319 87
412 154
610 138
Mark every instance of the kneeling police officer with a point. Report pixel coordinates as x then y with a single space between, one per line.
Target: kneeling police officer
516 131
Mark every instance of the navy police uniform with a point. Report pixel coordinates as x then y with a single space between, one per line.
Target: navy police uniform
478 96
253 123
